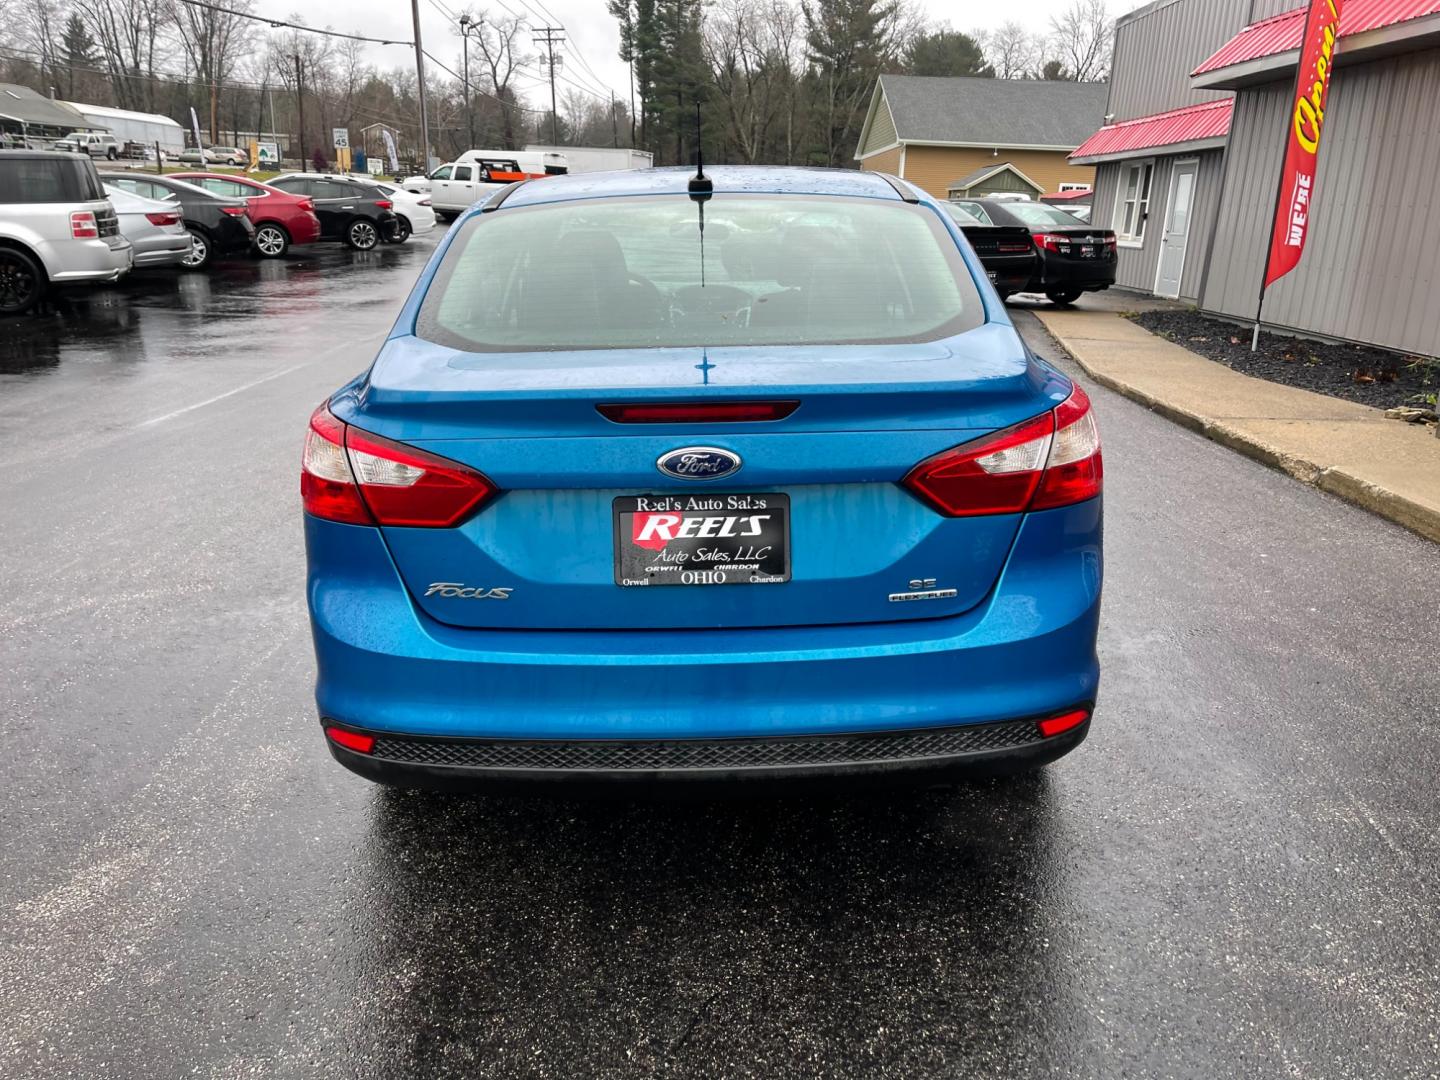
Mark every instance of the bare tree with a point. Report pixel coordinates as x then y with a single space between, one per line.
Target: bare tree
38 25
498 41
133 35
214 41
1081 39
1012 52
751 49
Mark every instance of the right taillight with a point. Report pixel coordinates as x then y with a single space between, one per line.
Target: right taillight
359 478
83 225
1048 461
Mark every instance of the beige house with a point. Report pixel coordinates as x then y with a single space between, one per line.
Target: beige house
943 134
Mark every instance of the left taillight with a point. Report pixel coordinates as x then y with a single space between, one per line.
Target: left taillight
307 204
359 478
83 226
1048 461
234 211
165 218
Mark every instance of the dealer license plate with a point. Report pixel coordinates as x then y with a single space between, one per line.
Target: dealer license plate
702 539
1086 251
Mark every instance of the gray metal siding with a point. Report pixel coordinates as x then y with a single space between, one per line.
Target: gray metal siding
1372 260
1264 9
1156 50
1136 266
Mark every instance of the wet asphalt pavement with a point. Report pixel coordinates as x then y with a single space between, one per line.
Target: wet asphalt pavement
1236 876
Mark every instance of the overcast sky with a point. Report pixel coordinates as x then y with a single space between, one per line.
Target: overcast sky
589 28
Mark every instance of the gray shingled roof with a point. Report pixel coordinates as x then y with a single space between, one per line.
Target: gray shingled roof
998 112
22 103
979 174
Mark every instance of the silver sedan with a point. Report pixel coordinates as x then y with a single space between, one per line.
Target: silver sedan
155 229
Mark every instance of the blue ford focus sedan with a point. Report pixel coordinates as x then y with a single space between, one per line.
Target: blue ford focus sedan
738 475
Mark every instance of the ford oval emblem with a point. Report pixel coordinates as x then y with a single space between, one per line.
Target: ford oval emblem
698 463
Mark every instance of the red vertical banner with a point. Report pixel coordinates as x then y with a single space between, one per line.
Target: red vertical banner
1307 121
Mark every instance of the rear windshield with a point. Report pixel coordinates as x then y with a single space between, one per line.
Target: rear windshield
48 180
1039 214
633 273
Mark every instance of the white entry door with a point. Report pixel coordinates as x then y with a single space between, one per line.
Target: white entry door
1177 230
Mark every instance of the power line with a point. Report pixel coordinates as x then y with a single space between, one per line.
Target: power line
282 24
482 93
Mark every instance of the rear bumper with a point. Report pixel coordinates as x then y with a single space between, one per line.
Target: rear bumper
1009 273
162 250
925 754
1027 650
1086 274
79 261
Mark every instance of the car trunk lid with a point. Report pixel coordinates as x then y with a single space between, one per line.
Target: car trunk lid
569 528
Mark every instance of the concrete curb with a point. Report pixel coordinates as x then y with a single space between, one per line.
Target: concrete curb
1337 481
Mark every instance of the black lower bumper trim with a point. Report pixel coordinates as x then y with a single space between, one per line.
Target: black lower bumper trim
435 762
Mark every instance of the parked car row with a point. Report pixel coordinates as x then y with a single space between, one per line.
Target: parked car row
1032 247
61 221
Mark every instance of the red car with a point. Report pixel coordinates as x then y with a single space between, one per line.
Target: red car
280 218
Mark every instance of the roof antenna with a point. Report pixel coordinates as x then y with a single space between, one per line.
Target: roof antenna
700 187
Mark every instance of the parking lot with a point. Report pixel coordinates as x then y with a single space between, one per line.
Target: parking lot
1234 877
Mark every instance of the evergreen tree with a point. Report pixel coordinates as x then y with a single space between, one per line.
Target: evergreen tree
79 50
946 52
848 43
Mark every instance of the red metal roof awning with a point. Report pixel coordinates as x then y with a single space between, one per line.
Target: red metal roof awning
1282 33
1192 124
1066 196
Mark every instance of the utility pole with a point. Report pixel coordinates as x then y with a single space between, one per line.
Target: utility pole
465 24
420 87
552 36
614 122
299 108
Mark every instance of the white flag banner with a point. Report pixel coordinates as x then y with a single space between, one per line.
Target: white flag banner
390 151
195 127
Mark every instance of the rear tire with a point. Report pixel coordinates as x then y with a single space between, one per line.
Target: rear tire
362 235
271 241
402 231
1064 298
112 154
22 281
202 252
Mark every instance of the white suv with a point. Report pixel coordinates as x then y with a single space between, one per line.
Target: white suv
56 227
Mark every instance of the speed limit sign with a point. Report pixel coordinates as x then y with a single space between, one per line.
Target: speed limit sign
341 138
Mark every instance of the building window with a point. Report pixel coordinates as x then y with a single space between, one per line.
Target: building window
1074 187
1134 201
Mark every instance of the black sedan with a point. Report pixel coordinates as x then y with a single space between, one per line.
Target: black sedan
217 225
354 211
1071 256
1004 250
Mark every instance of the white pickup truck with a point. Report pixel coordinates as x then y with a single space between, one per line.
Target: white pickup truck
459 185
475 174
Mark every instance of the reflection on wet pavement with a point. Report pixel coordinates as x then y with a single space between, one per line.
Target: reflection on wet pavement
155 314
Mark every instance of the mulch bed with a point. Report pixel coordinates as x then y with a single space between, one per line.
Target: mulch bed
1354 372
